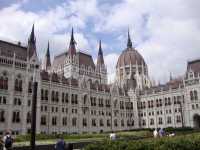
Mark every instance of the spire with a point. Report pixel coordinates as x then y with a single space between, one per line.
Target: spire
32 43
100 49
129 43
32 36
47 59
48 53
100 59
72 47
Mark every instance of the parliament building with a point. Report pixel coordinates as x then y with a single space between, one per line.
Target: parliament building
74 96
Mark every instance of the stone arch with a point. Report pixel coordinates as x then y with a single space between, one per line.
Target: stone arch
196 121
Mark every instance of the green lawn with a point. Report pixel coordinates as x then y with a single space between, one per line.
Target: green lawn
22 140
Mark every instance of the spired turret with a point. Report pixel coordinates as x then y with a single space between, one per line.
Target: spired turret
32 44
100 66
72 45
47 60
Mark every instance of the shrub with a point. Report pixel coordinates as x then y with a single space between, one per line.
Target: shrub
186 142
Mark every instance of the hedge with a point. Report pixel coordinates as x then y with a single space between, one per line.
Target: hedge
186 142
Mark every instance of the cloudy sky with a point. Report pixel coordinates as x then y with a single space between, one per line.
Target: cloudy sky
166 33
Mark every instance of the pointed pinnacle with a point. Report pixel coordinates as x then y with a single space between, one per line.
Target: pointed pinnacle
100 49
129 43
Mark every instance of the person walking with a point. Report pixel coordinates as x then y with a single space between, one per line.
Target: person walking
8 141
155 133
60 145
161 132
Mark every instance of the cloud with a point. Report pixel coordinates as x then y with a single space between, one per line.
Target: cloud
52 25
166 34
110 62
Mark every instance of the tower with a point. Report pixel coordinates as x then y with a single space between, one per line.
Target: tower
100 66
71 68
47 60
32 45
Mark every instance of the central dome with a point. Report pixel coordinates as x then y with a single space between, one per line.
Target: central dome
130 56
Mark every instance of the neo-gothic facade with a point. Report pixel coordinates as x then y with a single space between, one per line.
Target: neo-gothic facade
73 94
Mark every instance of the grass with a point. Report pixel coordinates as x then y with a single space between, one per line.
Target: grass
41 139
23 140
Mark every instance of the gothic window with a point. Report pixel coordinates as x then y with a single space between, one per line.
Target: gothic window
16 117
144 122
3 100
4 81
151 103
17 101
52 96
18 84
151 121
64 121
121 105
2 116
84 122
108 123
30 86
57 97
157 103
115 103
160 102
100 102
28 117
115 123
191 95
85 99
43 120
46 95
122 123
169 101
93 101
94 122
74 120
169 120
42 94
54 121
101 124
63 97
160 121
195 95
178 119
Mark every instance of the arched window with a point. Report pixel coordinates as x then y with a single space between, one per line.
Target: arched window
18 83
85 99
52 96
16 117
101 123
122 123
195 95
74 121
191 95
43 120
4 81
28 118
64 121
2 116
115 123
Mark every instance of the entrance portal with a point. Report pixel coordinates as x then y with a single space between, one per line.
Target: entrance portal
196 120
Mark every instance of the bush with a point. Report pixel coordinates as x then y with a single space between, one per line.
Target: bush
187 142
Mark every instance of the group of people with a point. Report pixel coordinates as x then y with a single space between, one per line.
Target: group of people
161 133
6 142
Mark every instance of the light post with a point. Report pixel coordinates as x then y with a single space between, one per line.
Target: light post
34 104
